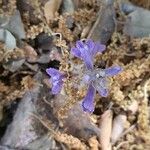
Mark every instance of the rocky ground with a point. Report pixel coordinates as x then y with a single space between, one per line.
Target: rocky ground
36 35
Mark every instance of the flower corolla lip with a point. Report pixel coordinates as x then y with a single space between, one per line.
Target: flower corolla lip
87 50
56 79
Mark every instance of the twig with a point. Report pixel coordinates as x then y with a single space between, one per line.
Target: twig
127 131
44 99
46 125
120 144
145 90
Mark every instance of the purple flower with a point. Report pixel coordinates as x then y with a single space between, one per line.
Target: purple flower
97 80
56 79
87 50
88 101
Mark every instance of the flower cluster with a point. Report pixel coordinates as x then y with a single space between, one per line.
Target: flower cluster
96 79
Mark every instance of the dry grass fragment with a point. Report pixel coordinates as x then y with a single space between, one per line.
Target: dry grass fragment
106 127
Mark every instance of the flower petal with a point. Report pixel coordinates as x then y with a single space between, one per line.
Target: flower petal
53 72
99 48
87 50
86 78
82 51
76 52
103 91
56 88
56 79
111 71
88 59
88 101
90 44
80 44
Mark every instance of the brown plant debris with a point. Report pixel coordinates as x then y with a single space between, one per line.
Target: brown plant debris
129 92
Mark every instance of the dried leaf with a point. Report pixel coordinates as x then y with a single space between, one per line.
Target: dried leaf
44 58
142 3
44 41
118 127
106 127
77 4
68 6
20 132
8 39
5 148
85 31
50 8
25 130
138 23
3 21
127 7
49 143
79 123
55 54
12 30
33 67
1 113
15 26
30 53
13 65
104 25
